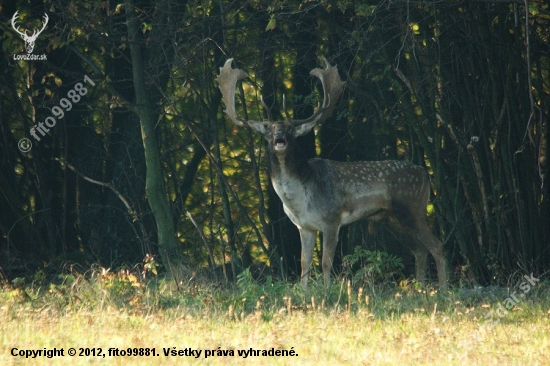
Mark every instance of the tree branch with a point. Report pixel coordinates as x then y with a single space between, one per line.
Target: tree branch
131 211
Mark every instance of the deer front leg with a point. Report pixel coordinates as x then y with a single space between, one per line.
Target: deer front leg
307 238
330 239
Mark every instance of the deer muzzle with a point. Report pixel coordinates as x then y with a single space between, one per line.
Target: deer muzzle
279 142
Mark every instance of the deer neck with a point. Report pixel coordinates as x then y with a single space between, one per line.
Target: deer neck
289 172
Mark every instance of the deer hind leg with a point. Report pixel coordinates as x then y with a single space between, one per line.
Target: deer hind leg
417 228
330 239
421 261
429 242
307 238
436 249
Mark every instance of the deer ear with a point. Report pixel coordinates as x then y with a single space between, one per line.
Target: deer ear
260 127
304 128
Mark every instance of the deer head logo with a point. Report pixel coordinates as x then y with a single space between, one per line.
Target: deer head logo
29 40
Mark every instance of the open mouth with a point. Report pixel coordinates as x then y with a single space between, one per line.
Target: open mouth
280 143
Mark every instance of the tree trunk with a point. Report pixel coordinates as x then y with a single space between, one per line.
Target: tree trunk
154 189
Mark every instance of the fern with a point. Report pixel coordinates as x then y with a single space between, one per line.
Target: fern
365 266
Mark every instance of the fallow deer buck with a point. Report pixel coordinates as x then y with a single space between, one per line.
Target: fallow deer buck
323 195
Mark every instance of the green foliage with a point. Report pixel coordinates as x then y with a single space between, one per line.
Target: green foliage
150 264
372 267
407 69
19 281
364 10
39 277
123 283
253 293
103 289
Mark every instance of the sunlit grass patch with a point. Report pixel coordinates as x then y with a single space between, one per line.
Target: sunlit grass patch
384 325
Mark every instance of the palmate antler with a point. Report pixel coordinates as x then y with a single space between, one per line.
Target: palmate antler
332 88
330 79
227 81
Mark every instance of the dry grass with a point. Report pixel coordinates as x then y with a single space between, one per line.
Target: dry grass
395 327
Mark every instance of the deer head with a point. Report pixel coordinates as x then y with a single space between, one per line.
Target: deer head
29 40
280 133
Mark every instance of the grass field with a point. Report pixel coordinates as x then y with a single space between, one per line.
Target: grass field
376 325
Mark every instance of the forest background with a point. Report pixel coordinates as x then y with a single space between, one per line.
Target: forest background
144 162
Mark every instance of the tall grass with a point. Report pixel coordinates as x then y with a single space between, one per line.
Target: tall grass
361 323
